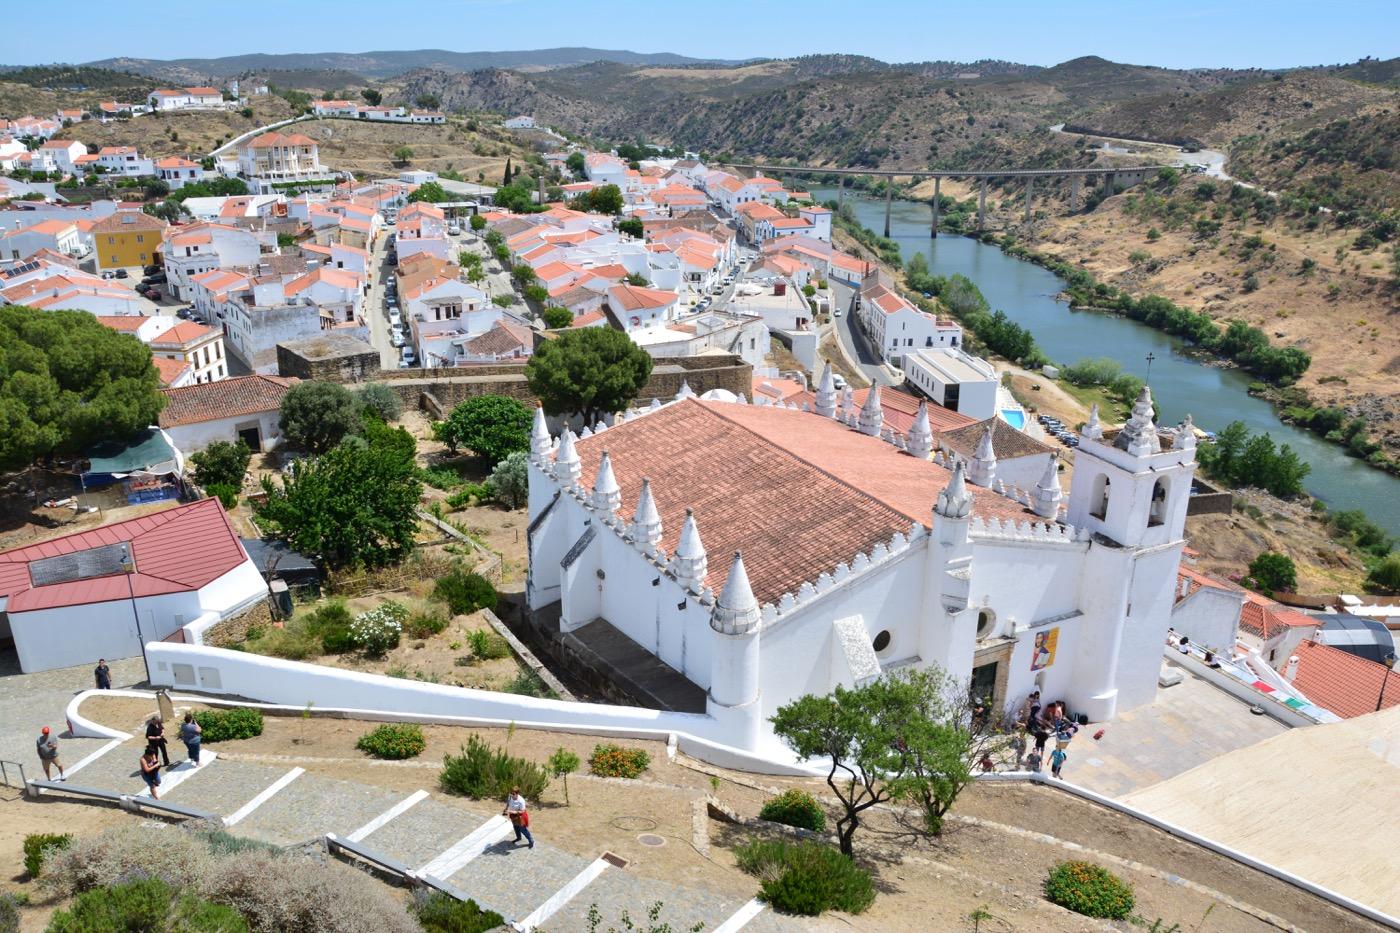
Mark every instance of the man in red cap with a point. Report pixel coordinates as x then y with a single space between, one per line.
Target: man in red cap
47 746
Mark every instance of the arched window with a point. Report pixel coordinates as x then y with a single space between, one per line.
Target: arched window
1098 502
1157 511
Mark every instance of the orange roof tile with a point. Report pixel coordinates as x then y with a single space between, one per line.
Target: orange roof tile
226 398
633 297
1344 683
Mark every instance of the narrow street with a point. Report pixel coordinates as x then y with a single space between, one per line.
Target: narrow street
376 318
855 343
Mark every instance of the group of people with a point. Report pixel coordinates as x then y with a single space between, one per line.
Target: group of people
190 733
1039 721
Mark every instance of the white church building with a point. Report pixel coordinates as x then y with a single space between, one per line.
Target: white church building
765 552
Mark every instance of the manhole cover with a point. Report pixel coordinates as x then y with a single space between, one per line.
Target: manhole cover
651 839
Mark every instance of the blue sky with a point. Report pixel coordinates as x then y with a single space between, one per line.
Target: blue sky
1187 33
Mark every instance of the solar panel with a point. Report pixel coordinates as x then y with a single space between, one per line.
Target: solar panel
103 561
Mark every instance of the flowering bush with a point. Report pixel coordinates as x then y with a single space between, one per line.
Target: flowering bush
379 629
394 742
1089 889
615 761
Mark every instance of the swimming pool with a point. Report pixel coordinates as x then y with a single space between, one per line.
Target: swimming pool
1014 417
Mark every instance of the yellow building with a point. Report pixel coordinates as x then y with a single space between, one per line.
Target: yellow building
127 238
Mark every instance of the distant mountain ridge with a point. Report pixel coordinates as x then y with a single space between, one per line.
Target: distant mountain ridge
382 64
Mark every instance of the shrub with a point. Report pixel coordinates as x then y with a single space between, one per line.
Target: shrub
806 878
441 914
425 623
1089 889
226 494
9 913
38 847
487 646
393 741
379 629
380 399
481 771
795 808
225 725
438 913
528 684
148 904
338 640
610 760
465 592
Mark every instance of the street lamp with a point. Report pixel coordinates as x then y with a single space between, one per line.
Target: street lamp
129 568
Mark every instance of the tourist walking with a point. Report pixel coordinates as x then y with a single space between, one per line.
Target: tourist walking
1041 724
519 815
191 734
102 674
1057 761
155 737
150 770
47 747
1018 745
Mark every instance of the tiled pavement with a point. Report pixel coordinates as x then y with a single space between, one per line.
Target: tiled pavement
513 880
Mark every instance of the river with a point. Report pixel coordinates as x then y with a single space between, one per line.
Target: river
1213 396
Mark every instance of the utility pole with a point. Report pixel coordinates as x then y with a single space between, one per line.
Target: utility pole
129 568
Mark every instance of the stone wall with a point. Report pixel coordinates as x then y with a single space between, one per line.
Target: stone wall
1208 500
450 387
329 358
234 629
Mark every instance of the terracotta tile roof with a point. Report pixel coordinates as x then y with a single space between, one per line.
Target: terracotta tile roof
126 323
268 140
169 370
757 210
1266 618
505 337
227 398
624 297
1188 581
178 550
129 222
742 468
1342 682
1007 442
901 408
183 334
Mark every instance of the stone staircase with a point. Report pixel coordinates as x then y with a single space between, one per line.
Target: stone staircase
466 844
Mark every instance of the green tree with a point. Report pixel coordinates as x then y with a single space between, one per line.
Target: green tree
68 382
491 426
590 372
1386 574
380 399
537 293
1273 572
509 481
478 223
505 177
315 416
637 279
575 162
429 191
223 463
556 317
856 731
403 154
356 505
523 275
632 227
604 200
1221 457
427 101
372 97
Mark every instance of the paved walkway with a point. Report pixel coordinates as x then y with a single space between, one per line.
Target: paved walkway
1187 725
462 842
28 702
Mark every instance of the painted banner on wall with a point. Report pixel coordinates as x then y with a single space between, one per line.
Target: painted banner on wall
1044 653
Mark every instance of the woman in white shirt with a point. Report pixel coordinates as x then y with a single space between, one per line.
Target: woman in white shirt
519 816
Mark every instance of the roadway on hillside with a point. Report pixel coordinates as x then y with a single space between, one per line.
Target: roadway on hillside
857 347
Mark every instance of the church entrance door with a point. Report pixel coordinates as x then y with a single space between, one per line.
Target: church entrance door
984 682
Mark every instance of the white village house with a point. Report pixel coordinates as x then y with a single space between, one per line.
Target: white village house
763 553
101 593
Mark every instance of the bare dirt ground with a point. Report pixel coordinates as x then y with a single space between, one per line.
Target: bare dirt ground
191 133
368 148
995 853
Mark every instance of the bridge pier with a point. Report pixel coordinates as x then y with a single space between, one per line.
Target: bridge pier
1110 184
840 191
933 231
1074 192
1030 189
889 196
982 206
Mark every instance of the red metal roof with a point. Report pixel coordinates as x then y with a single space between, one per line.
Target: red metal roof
178 550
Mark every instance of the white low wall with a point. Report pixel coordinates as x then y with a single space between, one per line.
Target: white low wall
1241 691
292 684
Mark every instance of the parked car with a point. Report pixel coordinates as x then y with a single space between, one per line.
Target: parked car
108 274
151 269
152 294
395 318
393 259
454 229
120 273
397 339
409 357
184 314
